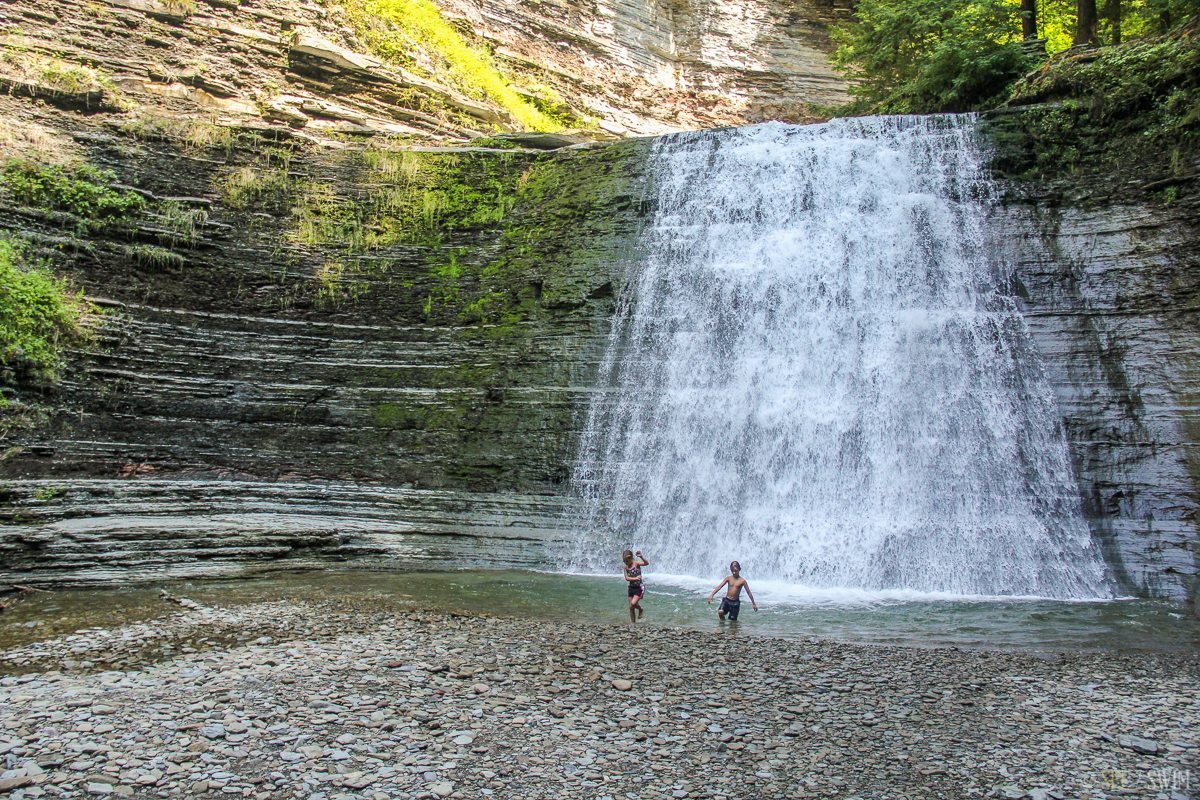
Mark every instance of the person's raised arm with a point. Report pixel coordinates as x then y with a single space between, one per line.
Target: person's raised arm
714 591
642 559
750 594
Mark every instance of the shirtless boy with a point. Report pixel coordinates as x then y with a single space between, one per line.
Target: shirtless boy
731 603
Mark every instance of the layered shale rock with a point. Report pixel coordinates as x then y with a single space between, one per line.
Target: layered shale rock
1110 297
651 66
290 328
1102 219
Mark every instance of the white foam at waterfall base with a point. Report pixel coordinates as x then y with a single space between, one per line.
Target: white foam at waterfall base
816 369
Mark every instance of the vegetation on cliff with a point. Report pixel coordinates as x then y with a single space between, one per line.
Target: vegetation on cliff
1135 107
81 191
925 56
414 34
39 314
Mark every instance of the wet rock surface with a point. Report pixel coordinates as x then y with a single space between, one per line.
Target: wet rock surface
342 701
1109 296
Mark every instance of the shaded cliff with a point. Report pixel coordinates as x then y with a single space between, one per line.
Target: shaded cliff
285 325
1099 155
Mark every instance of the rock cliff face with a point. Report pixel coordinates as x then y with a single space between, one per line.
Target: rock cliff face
630 67
1110 293
651 66
336 343
309 320
1102 234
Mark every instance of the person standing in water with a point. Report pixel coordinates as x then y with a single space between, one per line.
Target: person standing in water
633 579
731 603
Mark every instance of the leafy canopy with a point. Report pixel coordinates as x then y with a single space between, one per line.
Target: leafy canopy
925 56
922 56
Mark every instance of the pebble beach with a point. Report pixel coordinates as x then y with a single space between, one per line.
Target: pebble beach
333 701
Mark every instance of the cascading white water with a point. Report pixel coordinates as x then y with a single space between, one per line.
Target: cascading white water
816 370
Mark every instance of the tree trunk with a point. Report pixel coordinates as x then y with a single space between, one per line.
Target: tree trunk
1112 12
1029 19
1086 29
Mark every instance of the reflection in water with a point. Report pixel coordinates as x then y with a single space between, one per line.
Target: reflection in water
910 620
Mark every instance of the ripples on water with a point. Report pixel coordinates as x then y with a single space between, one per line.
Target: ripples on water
880 618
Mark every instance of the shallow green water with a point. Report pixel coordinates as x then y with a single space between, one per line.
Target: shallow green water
964 622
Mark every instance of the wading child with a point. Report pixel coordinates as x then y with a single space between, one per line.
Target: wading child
633 579
731 603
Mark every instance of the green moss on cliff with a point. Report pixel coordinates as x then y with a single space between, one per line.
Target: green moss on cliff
82 191
39 315
450 414
414 33
1117 114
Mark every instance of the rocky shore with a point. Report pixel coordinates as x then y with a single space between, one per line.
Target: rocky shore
342 700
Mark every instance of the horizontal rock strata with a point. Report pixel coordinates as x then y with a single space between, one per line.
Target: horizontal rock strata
345 346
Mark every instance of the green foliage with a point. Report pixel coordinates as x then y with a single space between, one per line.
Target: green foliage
81 190
1137 76
248 186
48 493
1136 106
322 217
414 198
922 56
414 33
38 315
190 134
183 222
338 284
153 257
57 76
1138 19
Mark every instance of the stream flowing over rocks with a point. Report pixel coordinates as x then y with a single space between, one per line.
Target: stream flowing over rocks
341 700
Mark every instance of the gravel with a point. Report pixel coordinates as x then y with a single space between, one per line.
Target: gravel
328 701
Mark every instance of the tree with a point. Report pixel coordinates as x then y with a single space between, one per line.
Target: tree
923 56
1112 12
1028 19
1087 25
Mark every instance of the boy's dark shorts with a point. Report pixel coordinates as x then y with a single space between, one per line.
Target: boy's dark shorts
637 589
731 607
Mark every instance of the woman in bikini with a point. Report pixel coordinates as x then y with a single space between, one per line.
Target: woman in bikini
633 578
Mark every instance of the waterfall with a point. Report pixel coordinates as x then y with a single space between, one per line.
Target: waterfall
816 369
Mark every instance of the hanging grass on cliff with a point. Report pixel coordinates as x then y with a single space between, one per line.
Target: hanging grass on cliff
414 33
39 315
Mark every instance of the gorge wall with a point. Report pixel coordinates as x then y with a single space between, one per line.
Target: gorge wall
314 316
1110 283
1101 220
331 328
